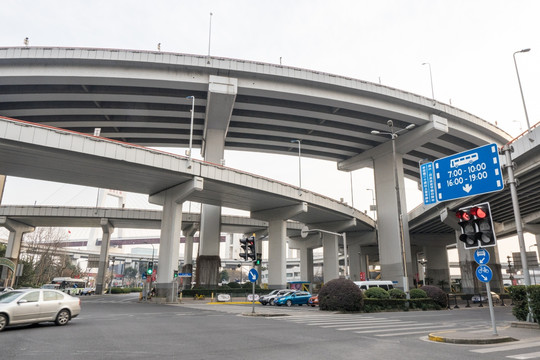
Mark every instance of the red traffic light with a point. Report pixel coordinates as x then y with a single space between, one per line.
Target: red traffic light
479 212
463 215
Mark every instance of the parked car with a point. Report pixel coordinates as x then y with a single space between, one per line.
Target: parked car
483 298
265 299
295 298
313 301
30 306
269 299
5 289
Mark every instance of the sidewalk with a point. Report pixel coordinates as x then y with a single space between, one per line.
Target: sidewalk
516 331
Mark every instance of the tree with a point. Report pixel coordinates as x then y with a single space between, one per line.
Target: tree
224 276
43 254
130 275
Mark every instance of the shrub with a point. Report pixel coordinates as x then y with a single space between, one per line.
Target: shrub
519 297
341 295
417 294
437 294
234 285
397 294
376 293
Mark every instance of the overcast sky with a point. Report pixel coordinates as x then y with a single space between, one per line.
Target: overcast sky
469 45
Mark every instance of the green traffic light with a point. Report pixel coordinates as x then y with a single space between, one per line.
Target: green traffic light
149 271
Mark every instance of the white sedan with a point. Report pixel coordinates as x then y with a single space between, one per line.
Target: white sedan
30 306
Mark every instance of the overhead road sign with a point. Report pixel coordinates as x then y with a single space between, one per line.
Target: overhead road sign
472 172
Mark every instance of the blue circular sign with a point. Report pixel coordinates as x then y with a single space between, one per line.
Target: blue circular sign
484 273
481 256
253 275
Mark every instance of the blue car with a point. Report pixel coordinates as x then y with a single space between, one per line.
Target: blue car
295 298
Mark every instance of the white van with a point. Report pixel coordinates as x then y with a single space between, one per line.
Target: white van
384 284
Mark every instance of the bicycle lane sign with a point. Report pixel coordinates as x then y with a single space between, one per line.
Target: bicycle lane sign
484 273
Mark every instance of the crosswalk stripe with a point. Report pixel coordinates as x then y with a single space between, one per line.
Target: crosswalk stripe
390 328
423 331
375 322
519 345
533 355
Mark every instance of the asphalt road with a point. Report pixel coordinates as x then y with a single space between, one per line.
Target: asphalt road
119 327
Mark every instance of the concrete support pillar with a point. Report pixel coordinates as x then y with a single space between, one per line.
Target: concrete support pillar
108 229
189 233
277 254
437 267
390 246
306 264
2 186
13 250
171 226
355 261
330 256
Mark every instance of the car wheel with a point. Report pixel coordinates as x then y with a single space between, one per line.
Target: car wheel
289 303
312 305
62 318
264 303
3 321
272 302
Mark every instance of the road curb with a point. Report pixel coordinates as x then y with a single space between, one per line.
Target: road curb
485 340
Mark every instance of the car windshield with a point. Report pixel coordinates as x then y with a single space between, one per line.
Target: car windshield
9 296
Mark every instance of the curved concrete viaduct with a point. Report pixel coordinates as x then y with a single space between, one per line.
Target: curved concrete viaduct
141 97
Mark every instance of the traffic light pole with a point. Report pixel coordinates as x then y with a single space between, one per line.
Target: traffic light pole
507 149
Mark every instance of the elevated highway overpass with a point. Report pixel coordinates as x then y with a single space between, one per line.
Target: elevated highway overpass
142 98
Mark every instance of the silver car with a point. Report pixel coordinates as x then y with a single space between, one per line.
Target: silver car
30 306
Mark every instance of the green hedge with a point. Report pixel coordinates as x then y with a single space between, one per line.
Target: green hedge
377 305
519 297
232 292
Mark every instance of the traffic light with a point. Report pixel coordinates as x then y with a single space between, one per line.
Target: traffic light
476 226
251 249
258 261
175 274
243 252
150 268
468 229
485 233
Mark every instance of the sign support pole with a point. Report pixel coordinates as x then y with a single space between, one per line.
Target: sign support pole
491 311
507 149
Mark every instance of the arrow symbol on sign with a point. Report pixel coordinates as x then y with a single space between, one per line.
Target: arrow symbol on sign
481 261
484 277
252 276
467 188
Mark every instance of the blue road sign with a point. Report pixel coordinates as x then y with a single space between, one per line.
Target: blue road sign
427 176
253 275
472 172
481 256
184 274
484 273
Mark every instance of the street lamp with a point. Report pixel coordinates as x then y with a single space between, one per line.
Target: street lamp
534 271
431 79
299 165
521 90
191 129
394 134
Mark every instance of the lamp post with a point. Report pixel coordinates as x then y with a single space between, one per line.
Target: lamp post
191 129
431 79
521 90
394 134
299 165
112 275
534 271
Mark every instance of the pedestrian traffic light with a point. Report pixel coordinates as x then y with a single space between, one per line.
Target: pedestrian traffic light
175 274
150 268
251 249
243 246
476 226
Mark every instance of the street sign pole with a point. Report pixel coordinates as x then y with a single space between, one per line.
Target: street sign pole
491 311
484 274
